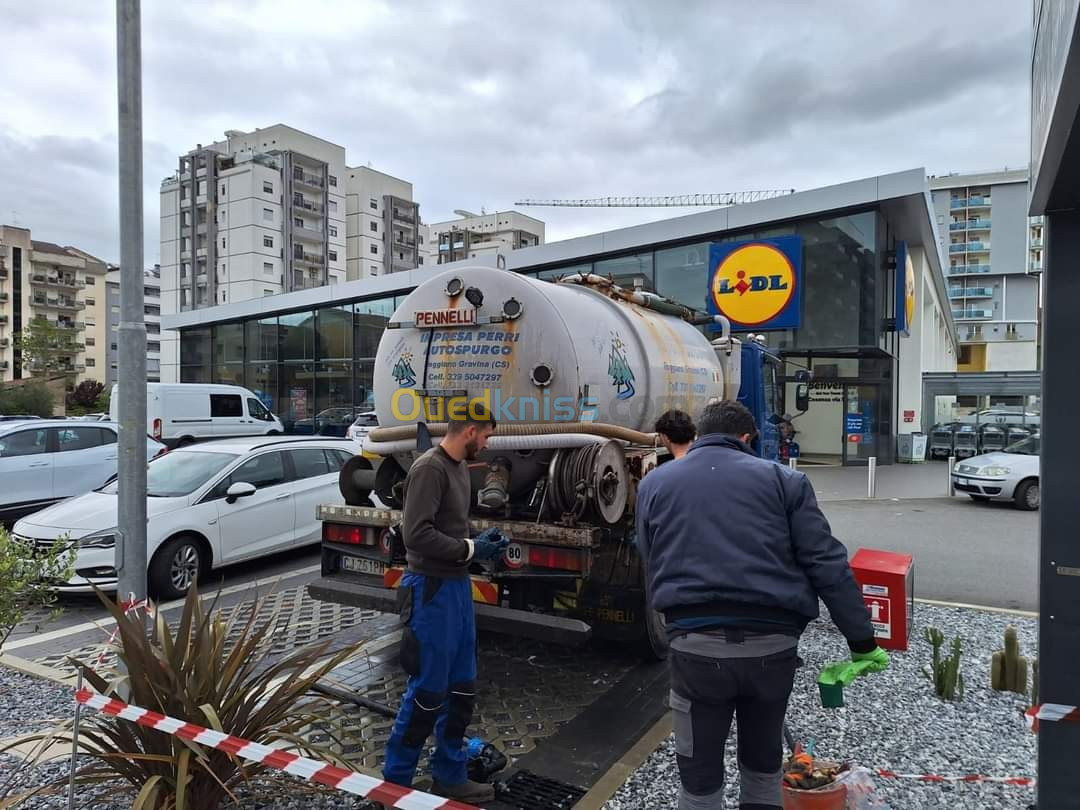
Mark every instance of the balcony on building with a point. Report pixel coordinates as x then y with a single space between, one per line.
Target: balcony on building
202 279
69 326
958 226
403 214
397 264
5 342
3 296
303 178
309 205
971 292
978 247
978 225
4 364
968 269
307 234
1036 242
309 259
972 314
3 270
3 320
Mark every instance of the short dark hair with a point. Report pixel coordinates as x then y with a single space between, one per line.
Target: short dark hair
474 413
677 426
727 416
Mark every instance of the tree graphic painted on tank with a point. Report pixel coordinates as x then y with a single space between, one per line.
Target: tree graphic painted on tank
403 371
622 377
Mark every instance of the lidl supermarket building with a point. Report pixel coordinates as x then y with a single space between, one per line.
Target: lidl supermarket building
868 313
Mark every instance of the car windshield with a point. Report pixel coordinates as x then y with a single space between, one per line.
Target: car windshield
1025 447
180 472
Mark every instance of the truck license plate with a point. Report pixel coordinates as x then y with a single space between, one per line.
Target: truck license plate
362 565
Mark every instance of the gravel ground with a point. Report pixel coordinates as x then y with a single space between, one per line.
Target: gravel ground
30 704
284 793
893 721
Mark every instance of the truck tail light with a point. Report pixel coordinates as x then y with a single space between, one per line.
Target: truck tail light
547 557
351 535
157 429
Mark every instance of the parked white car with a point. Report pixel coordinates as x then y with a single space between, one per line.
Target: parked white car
43 461
210 504
181 413
361 426
1011 474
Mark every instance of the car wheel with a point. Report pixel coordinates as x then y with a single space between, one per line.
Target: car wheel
176 567
185 441
1027 495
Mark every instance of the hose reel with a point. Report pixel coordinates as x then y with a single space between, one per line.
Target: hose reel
589 483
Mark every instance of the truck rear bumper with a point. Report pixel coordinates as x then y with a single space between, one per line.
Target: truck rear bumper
553 629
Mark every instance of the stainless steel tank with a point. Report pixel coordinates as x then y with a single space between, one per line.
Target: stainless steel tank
538 352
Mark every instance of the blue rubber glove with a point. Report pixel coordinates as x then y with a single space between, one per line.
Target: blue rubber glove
489 544
878 658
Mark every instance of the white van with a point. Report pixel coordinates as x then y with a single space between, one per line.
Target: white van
182 413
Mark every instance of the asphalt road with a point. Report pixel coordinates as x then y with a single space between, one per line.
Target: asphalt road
984 554
978 553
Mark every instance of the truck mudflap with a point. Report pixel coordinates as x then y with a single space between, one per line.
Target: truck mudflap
537 626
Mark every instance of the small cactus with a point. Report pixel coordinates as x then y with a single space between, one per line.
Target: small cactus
1009 669
945 673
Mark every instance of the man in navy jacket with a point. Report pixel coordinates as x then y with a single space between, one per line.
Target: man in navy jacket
737 554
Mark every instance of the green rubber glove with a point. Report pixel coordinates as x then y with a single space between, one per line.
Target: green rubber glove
878 659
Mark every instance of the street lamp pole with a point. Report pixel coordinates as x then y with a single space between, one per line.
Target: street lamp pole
131 523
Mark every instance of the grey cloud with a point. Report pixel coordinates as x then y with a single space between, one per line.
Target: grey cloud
581 98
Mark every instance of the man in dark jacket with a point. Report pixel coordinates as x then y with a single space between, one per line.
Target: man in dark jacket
737 554
438 642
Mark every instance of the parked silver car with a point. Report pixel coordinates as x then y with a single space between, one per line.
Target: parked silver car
1011 474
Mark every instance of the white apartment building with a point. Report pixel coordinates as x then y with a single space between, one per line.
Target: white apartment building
477 235
382 224
63 285
152 315
993 253
254 215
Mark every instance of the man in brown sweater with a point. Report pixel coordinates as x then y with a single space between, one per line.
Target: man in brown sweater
438 642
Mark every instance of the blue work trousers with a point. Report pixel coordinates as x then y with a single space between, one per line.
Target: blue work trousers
438 651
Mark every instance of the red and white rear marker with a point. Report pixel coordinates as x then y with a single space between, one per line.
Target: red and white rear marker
1051 713
358 784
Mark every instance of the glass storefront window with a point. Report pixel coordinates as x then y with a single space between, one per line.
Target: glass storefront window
297 336
297 403
335 333
682 274
262 380
626 270
195 355
370 319
333 398
228 343
363 385
261 340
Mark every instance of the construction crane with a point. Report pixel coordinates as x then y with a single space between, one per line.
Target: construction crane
676 201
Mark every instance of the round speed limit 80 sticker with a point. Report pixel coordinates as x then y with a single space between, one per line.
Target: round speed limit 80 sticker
514 556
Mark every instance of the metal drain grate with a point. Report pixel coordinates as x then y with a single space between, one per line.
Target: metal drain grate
301 620
526 790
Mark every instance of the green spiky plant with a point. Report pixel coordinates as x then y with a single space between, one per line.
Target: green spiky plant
197 675
1009 669
944 672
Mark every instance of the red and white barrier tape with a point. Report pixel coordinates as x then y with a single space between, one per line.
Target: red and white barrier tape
1022 781
1051 713
129 606
358 784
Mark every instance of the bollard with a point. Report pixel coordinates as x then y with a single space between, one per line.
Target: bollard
949 484
793 462
871 478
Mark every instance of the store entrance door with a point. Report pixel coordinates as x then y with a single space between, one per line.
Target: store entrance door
861 413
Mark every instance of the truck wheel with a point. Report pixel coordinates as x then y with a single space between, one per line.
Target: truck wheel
655 645
1027 495
176 567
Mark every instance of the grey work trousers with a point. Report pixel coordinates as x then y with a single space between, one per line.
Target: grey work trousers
705 694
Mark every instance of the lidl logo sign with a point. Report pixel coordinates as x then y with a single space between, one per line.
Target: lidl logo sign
757 285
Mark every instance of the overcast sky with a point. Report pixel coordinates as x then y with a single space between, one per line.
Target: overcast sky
482 103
